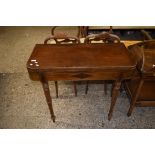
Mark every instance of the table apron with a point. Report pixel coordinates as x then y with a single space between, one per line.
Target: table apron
79 76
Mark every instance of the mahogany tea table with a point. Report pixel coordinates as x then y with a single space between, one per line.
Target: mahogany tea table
80 62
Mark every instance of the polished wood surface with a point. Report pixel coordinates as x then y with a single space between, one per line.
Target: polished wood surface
100 56
81 62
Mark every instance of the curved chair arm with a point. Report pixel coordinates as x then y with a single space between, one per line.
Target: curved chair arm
137 51
137 55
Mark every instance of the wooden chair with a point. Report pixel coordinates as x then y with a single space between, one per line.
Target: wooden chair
103 37
74 31
141 87
62 39
85 29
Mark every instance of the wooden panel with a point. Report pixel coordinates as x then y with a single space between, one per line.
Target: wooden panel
76 75
147 92
82 76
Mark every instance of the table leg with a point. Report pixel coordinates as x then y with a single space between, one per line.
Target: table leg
47 95
56 88
75 89
115 93
87 83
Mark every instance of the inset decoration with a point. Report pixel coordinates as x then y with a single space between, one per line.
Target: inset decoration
82 75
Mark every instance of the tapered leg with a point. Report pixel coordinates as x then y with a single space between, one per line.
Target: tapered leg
136 94
75 89
86 91
112 88
47 95
121 88
56 88
105 87
115 93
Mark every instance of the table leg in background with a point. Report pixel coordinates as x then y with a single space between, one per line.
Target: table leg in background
134 98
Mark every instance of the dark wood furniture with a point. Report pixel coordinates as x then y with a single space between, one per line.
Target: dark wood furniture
126 32
103 37
141 88
80 62
62 39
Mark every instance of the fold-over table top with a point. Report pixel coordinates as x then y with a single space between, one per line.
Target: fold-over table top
80 56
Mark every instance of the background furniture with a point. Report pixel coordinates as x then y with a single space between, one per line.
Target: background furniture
62 39
141 88
103 37
124 32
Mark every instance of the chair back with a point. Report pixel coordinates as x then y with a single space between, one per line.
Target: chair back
103 37
67 30
61 39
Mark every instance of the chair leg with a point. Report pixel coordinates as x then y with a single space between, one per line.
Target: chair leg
121 88
105 87
112 88
56 88
75 89
86 91
134 98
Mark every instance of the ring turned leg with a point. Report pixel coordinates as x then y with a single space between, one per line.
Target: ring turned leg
47 95
115 93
